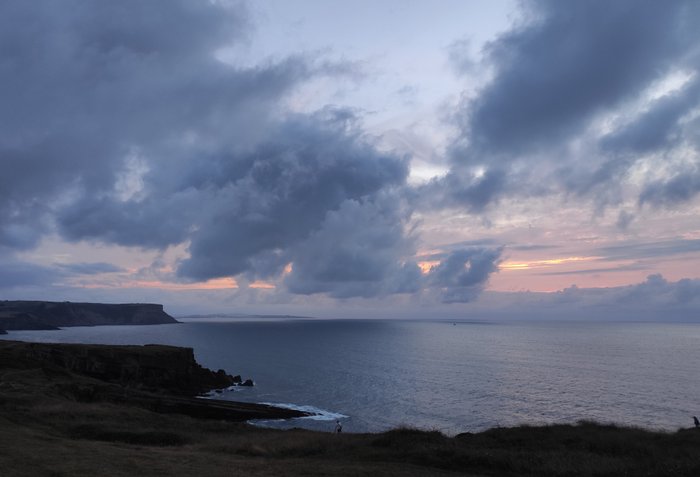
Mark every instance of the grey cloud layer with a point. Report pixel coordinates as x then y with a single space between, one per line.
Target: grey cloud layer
557 74
123 127
567 63
655 299
17 273
90 268
283 193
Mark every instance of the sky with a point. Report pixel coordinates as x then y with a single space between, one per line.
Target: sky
354 159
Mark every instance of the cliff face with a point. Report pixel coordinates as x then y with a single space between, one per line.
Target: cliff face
152 367
46 315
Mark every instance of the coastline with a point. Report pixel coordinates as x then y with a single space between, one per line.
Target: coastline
52 315
564 387
159 378
86 426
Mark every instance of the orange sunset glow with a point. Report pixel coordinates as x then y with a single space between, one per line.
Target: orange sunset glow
526 265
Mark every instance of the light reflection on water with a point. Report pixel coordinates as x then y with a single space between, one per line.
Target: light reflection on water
436 375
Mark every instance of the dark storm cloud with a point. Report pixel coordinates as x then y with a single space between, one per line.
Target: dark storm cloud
684 185
283 193
659 126
557 72
155 222
464 188
567 63
463 274
357 252
121 125
83 82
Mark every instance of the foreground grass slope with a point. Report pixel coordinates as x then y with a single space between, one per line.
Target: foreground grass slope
47 428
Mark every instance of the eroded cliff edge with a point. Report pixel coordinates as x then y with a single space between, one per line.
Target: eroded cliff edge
155 368
164 379
48 315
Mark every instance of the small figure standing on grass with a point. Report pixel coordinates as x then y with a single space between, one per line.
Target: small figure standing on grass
695 420
338 427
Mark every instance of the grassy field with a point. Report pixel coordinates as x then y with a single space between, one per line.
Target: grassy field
49 429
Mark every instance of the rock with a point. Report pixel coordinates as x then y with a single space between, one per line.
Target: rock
154 367
237 379
23 321
247 382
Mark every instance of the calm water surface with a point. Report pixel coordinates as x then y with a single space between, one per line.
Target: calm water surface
438 375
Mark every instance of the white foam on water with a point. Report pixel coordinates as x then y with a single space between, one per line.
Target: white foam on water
220 392
317 414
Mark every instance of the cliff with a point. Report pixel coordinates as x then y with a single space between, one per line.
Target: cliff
159 368
47 315
164 379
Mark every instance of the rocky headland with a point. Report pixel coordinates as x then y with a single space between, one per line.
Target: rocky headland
49 315
164 379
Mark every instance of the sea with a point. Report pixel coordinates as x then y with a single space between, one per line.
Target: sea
375 375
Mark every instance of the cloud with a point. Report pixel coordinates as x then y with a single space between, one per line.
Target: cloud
466 188
18 274
533 247
89 268
461 57
83 82
596 271
658 292
654 299
634 250
282 195
659 126
683 186
568 62
573 108
624 219
358 251
124 126
463 274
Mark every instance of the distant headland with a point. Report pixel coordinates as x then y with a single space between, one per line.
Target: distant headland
50 315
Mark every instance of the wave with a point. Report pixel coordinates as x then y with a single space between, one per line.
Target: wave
216 393
317 414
